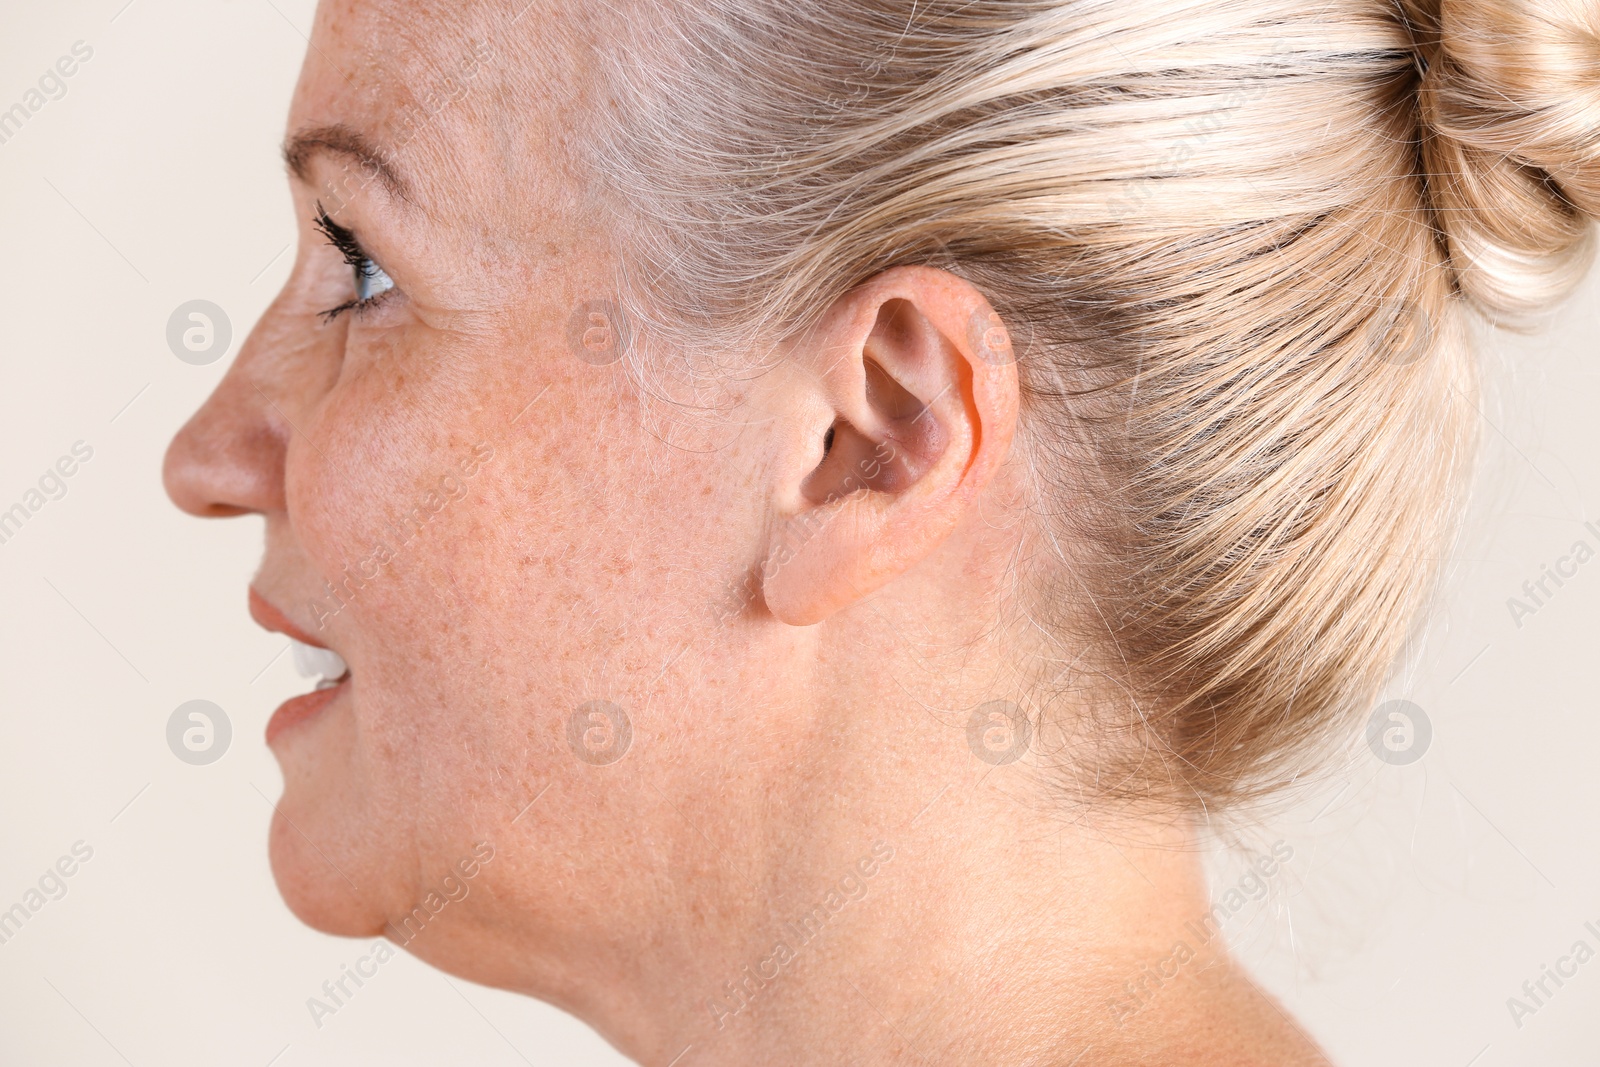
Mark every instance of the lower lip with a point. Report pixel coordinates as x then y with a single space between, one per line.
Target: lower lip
297 710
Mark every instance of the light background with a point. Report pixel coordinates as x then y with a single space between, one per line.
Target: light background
1418 900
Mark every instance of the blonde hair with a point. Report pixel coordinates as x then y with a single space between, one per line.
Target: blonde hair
1234 242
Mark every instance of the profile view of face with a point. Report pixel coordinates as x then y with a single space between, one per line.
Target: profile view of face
602 721
469 510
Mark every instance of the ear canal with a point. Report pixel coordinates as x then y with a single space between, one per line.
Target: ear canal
852 462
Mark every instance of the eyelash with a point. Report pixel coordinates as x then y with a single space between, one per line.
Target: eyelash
354 255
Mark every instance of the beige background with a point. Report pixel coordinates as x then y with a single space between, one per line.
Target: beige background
1418 900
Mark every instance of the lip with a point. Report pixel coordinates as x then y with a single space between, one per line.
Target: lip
268 617
298 709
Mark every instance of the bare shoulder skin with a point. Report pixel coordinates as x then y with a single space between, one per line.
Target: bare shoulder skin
1224 1020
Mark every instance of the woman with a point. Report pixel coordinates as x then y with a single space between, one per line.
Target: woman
802 512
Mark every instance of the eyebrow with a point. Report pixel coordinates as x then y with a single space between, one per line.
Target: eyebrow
300 149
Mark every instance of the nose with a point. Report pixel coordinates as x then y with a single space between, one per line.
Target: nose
229 457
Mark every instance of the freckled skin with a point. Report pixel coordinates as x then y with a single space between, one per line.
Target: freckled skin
587 556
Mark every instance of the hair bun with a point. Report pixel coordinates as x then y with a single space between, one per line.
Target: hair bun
1510 107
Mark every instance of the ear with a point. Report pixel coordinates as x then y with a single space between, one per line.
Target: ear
911 414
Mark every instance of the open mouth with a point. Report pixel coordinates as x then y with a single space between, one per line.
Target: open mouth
311 660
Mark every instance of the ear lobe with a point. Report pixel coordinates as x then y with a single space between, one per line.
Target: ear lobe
921 423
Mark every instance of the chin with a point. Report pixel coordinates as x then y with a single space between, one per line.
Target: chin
315 892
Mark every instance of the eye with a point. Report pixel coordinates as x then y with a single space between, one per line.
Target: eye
371 280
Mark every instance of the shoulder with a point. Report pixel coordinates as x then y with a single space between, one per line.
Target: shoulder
1215 1016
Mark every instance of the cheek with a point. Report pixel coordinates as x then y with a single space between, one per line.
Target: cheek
385 499
364 491
454 537
494 578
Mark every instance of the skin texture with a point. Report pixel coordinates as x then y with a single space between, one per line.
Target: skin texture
781 747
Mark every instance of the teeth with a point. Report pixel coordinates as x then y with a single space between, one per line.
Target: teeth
323 664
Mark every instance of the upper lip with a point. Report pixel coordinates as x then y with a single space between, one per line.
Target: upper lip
268 617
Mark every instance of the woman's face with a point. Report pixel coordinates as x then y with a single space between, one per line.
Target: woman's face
465 499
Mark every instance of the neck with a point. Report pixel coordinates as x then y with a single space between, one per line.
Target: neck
967 926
